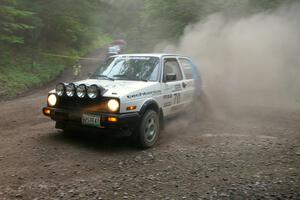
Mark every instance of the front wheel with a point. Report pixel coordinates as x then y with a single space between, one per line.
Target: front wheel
147 133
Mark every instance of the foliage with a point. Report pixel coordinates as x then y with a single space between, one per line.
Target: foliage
30 28
19 75
11 22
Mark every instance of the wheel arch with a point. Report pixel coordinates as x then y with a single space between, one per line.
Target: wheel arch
149 104
153 105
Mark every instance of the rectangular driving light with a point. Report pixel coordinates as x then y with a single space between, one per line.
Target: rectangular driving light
112 119
131 108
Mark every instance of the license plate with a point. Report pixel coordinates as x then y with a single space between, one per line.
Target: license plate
90 120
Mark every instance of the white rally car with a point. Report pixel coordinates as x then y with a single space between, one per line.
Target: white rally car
131 94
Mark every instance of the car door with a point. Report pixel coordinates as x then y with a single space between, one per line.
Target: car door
188 84
172 79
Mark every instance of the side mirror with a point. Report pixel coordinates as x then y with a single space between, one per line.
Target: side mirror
170 77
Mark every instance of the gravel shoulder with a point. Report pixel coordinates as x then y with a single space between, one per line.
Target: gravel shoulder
250 155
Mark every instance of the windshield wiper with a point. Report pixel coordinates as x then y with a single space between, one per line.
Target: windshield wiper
122 76
102 76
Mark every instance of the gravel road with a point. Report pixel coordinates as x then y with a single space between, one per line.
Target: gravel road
253 154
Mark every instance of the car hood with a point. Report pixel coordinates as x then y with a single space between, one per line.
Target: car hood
118 88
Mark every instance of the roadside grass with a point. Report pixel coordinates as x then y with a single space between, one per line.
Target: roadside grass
19 71
20 74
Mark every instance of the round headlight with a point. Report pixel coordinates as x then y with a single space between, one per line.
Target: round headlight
92 91
52 99
60 89
70 90
81 91
113 105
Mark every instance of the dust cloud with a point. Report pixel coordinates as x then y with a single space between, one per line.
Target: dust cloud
245 61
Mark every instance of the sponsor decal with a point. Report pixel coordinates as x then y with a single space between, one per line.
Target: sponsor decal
167 104
167 96
177 88
155 92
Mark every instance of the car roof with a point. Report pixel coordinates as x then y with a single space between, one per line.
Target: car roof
149 54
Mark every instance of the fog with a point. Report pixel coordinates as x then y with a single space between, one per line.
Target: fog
249 60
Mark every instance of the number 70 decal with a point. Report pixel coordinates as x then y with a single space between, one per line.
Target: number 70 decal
176 98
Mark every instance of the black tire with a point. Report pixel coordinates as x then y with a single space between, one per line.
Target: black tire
147 133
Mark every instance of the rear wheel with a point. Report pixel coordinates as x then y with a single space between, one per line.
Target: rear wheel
147 133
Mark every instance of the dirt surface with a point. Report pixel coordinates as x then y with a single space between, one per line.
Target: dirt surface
253 154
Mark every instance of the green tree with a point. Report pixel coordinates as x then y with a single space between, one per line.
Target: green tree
12 22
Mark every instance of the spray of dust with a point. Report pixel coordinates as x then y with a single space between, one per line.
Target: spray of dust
246 61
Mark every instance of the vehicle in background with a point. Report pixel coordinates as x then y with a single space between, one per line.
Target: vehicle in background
131 94
116 47
113 50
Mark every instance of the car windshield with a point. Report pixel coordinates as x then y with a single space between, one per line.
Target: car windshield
141 68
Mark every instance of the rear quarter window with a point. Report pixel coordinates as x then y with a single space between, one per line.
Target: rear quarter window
187 68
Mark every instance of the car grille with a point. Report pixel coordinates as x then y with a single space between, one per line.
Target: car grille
73 103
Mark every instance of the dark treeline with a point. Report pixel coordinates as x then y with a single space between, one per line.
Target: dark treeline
79 24
31 28
51 23
72 27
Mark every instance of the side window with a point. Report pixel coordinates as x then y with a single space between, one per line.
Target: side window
187 68
171 66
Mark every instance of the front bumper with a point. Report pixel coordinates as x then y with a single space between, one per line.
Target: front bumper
64 117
